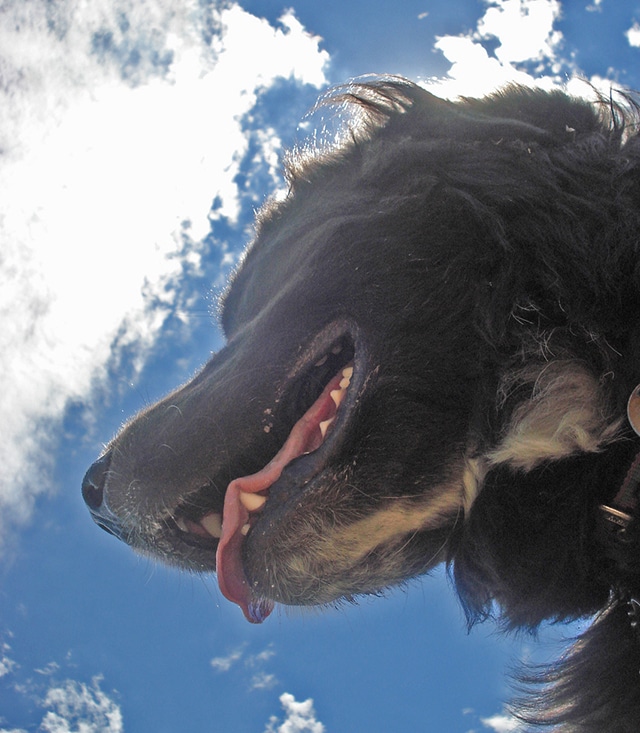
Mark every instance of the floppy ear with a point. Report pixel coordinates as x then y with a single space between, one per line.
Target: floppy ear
605 658
528 541
532 489
586 687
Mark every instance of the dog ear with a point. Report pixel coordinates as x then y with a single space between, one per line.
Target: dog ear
584 690
532 489
528 541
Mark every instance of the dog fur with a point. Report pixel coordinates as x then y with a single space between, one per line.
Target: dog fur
476 263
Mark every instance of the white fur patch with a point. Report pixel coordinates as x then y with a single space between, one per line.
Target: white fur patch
566 414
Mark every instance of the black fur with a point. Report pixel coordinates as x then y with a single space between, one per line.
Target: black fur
477 262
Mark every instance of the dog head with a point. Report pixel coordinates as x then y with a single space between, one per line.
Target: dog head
429 305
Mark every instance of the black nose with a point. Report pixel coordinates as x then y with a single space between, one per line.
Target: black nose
93 486
94 481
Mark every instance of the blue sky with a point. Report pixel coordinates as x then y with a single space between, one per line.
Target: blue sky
136 139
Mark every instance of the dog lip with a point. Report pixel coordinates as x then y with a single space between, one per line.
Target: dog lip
304 467
306 438
302 470
314 437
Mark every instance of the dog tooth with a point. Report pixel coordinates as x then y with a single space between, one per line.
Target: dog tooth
344 383
322 361
252 502
212 522
337 396
347 372
182 525
245 529
324 425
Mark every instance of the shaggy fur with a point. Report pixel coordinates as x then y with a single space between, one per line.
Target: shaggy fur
476 265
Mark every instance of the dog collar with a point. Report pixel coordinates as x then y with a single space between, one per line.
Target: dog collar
622 508
618 516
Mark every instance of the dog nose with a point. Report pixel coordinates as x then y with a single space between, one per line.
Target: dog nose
93 486
93 483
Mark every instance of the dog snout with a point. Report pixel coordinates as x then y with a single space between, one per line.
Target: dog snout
93 493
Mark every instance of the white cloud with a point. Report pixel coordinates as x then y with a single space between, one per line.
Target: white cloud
77 708
263 681
265 655
523 27
633 35
69 706
111 135
260 679
502 724
7 665
224 664
524 30
48 670
300 716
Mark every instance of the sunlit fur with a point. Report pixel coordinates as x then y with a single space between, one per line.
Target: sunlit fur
480 260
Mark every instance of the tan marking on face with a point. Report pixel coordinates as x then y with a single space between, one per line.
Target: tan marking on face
345 547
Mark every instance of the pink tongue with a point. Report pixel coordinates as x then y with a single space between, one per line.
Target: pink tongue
303 438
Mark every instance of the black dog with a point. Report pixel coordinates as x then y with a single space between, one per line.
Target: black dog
431 345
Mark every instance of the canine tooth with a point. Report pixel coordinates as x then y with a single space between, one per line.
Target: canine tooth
252 502
324 425
322 361
337 396
344 383
347 372
245 529
213 524
181 524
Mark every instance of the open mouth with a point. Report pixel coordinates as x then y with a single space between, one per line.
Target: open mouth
320 399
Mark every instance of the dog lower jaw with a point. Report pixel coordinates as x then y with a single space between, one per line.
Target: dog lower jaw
246 496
